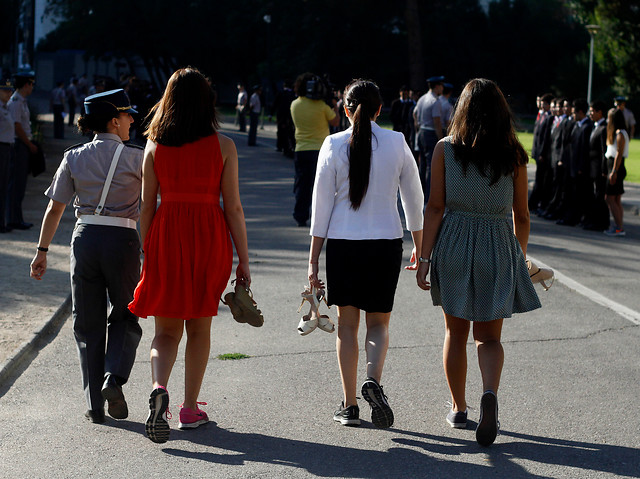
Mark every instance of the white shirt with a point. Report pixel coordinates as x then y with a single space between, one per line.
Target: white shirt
612 150
7 124
393 168
254 102
20 112
427 109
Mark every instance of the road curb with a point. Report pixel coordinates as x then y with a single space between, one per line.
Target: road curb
27 347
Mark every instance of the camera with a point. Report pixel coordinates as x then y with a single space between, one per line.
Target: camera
317 89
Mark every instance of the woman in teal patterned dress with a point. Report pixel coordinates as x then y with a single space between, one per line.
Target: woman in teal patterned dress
477 259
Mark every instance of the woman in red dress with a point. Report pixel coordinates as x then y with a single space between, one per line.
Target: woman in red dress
188 253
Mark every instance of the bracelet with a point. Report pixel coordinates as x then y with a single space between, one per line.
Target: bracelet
424 260
40 248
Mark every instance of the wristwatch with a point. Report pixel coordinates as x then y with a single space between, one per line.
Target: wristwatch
424 260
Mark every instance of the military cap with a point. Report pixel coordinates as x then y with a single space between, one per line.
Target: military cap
25 74
112 101
620 98
436 79
6 84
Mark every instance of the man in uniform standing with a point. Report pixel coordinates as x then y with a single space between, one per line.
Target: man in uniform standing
7 137
428 120
19 170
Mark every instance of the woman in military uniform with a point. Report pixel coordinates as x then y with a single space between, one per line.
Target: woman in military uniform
104 178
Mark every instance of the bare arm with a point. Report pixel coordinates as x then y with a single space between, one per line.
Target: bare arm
233 212
336 119
20 133
149 190
617 161
314 257
416 236
520 207
433 213
50 223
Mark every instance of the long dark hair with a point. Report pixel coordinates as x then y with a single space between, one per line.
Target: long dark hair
483 131
186 112
362 99
615 122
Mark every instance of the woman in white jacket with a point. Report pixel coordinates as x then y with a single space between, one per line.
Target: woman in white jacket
354 206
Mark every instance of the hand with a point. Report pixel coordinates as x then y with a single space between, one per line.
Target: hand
421 276
39 265
612 177
413 260
313 276
33 148
243 275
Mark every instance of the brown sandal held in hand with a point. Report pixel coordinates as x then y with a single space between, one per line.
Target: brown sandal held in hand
243 308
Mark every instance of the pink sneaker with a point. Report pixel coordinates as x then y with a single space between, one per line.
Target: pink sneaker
190 419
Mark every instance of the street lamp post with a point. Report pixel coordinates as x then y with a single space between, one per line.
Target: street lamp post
592 29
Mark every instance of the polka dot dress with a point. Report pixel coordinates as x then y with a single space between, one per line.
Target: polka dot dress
478 270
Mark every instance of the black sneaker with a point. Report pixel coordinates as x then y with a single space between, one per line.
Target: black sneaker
457 419
488 425
157 426
347 416
381 413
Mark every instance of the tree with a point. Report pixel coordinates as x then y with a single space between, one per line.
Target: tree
617 43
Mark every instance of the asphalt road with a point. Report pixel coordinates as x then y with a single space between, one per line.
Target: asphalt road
568 400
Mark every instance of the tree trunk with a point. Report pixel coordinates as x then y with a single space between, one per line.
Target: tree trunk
414 39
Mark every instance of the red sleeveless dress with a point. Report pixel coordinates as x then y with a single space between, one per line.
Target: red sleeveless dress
188 253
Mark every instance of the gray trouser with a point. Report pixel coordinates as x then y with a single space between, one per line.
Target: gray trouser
105 261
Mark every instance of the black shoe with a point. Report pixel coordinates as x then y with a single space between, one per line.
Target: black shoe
592 227
488 425
112 392
96 416
157 426
4 229
20 226
564 222
381 413
347 416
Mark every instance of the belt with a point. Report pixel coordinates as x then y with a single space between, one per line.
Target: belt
427 128
106 221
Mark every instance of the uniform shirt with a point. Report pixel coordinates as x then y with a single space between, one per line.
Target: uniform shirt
82 173
255 103
445 109
242 98
629 118
427 109
311 119
7 125
57 96
393 168
20 112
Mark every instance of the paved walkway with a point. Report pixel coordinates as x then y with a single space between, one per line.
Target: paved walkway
272 412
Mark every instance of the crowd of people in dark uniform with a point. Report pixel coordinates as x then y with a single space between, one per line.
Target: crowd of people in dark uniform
579 150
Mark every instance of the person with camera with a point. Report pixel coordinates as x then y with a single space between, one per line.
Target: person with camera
311 116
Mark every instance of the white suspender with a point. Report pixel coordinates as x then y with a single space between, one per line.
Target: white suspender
107 183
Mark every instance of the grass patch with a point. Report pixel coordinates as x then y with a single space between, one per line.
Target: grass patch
231 356
632 164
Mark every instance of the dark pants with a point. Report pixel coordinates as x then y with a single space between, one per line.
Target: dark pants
18 171
242 120
580 196
542 187
305 174
6 157
557 192
105 263
72 111
427 140
597 215
58 121
253 128
286 141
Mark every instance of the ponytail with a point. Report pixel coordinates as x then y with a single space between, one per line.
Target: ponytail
363 100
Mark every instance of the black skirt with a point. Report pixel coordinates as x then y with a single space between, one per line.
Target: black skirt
363 273
618 187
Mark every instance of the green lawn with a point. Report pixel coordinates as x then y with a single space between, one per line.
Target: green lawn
632 163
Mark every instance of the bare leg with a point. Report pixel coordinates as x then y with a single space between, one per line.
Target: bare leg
196 358
615 206
377 343
347 347
164 349
490 353
454 358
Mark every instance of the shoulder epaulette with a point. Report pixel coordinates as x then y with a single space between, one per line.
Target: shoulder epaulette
74 146
133 145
